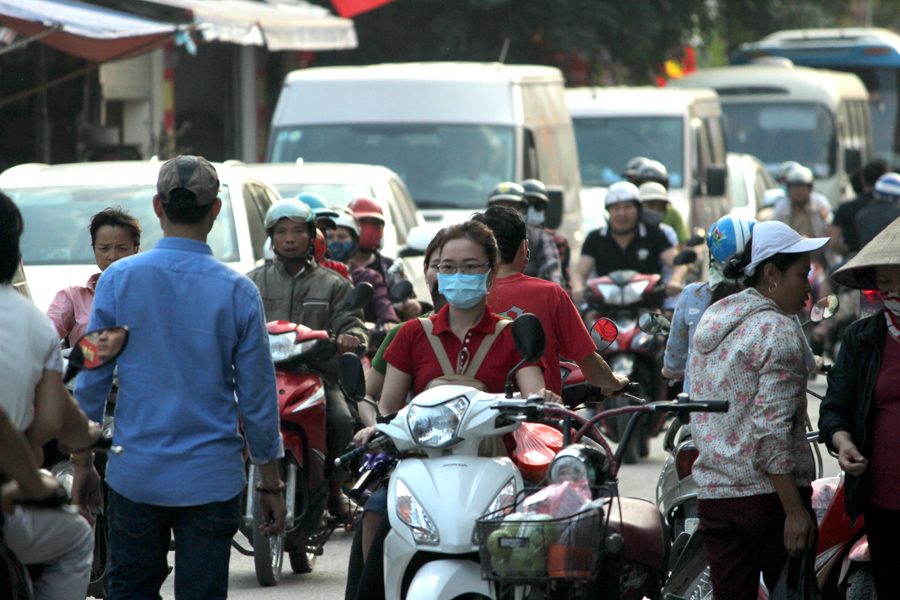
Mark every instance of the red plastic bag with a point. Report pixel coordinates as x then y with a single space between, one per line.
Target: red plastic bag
532 447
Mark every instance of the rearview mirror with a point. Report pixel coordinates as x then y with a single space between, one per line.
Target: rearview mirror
824 308
654 324
604 332
96 349
696 240
402 291
528 335
360 296
553 214
685 257
715 180
353 380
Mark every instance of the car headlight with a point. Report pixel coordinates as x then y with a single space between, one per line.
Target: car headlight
436 426
411 512
632 292
579 462
283 346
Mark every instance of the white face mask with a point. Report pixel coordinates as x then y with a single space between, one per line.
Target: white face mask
534 217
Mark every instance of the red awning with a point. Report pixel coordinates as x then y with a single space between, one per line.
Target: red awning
86 31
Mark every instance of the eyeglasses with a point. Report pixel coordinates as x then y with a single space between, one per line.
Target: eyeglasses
469 269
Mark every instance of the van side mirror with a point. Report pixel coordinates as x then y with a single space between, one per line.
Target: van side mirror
553 215
852 160
715 180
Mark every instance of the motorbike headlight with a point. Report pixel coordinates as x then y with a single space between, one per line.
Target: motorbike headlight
436 426
283 346
632 292
411 512
611 294
579 462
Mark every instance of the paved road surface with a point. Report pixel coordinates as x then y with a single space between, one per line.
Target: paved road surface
327 581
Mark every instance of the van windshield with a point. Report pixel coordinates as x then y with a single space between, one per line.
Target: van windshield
778 132
58 219
444 166
605 144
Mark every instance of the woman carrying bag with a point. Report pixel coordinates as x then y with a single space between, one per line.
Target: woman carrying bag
860 415
755 467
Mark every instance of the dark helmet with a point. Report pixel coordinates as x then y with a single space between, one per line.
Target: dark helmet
653 170
507 192
536 192
633 165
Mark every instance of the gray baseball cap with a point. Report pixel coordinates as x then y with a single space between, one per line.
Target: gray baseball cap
192 173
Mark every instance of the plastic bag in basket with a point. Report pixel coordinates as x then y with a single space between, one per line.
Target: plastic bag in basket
558 500
532 447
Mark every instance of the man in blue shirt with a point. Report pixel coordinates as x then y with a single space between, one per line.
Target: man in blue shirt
198 339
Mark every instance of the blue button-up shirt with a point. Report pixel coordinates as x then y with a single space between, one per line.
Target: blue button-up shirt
197 359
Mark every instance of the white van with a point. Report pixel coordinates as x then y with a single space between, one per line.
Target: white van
682 129
452 131
778 113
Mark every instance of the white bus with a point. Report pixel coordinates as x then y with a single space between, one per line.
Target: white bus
778 113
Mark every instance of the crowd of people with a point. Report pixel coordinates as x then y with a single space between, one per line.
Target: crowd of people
198 341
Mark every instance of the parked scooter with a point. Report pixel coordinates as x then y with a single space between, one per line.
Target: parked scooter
623 296
94 350
301 402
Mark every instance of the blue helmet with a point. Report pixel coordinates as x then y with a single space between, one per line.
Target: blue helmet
728 236
888 187
324 215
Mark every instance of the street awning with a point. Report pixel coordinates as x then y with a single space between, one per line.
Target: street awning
286 25
83 30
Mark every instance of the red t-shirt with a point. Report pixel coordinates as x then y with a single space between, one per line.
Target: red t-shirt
411 352
565 331
884 470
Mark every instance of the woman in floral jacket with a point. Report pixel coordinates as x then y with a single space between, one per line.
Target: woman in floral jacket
755 468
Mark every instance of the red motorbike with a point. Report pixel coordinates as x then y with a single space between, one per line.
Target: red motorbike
298 353
623 296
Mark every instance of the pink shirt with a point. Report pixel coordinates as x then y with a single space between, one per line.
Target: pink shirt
70 310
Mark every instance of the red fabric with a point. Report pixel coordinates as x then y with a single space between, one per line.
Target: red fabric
565 331
339 268
351 8
411 352
884 478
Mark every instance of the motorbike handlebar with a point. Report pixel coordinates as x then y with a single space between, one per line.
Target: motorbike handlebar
346 459
104 444
701 406
826 369
632 388
58 499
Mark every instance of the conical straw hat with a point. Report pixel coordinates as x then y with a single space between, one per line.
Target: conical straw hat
884 249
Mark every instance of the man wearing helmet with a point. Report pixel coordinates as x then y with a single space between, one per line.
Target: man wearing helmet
296 289
544 261
806 213
641 171
843 226
881 211
538 201
624 243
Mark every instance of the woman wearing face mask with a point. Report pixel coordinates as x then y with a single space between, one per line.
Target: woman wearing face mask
860 415
115 234
467 266
755 469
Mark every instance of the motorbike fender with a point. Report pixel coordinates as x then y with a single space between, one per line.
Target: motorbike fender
455 491
858 553
447 579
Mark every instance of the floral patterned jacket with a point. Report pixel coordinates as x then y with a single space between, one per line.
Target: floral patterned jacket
747 351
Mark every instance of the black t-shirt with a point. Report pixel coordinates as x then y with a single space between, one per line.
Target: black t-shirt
872 219
845 218
641 254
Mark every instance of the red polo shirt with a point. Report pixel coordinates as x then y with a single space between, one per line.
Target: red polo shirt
411 352
565 331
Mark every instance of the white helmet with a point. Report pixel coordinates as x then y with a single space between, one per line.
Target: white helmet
653 191
798 175
622 191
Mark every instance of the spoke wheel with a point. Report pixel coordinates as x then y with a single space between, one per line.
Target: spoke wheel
268 553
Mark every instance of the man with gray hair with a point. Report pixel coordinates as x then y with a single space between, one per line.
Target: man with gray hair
198 340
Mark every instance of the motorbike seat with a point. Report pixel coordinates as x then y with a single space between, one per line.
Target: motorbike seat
640 524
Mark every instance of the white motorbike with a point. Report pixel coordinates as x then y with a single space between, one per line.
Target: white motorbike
436 497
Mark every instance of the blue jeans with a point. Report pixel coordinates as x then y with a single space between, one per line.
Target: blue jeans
139 537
